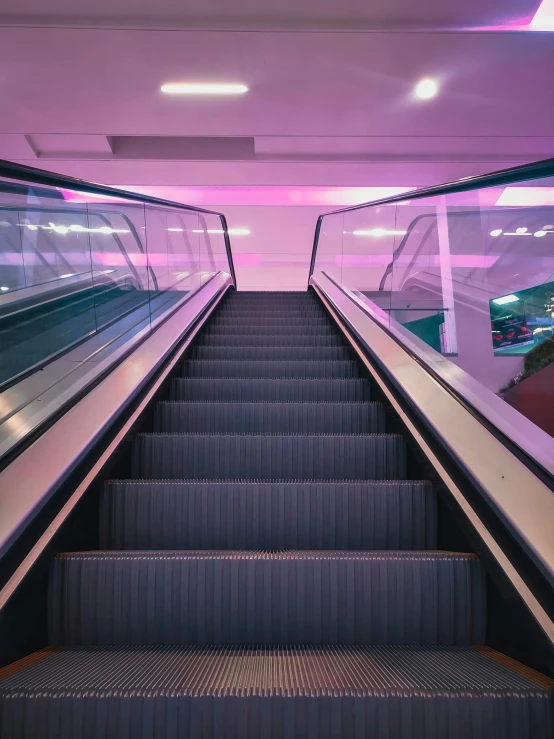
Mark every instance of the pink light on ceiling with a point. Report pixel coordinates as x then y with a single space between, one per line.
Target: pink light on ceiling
464 261
523 196
323 197
543 19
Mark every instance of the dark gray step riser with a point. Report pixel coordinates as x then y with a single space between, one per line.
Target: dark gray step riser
282 390
276 330
397 598
259 457
158 515
254 318
337 418
294 353
234 324
246 312
229 339
270 369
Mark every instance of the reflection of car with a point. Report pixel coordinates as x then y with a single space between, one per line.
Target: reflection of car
510 331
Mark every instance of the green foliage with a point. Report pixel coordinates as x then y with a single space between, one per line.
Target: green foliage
539 357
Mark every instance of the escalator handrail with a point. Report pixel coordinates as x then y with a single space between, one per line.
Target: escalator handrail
417 399
11 170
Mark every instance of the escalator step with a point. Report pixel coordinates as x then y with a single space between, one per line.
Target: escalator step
276 693
253 390
223 321
282 418
269 457
244 314
253 597
246 339
288 353
287 515
301 329
271 369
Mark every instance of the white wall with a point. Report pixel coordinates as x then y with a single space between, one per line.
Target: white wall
276 255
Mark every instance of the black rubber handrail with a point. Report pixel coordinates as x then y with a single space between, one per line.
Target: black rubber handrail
20 172
523 173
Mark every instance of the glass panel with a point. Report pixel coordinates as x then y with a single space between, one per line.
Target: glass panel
213 254
47 296
471 274
75 263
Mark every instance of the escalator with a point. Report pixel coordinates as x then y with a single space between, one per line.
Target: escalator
270 558
35 335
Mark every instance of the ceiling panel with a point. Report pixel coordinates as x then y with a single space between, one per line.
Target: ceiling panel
354 14
350 85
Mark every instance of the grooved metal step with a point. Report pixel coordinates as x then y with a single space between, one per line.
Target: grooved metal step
302 329
269 457
224 322
253 597
269 515
288 353
276 693
286 418
254 390
269 368
247 339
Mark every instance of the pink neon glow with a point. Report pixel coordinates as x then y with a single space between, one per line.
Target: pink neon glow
521 196
470 261
268 195
246 260
74 196
543 19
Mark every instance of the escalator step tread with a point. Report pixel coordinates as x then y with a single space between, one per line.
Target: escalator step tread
270 368
361 418
228 338
259 597
213 692
269 456
295 353
286 515
302 329
250 390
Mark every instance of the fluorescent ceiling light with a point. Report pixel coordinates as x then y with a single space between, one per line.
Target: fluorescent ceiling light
506 299
496 232
231 231
379 232
426 89
203 88
540 234
4 289
176 230
521 230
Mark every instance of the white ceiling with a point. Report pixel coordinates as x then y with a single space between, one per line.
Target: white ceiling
337 14
330 108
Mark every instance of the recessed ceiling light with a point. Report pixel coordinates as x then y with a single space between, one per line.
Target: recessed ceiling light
4 289
540 234
231 231
496 232
379 232
426 89
203 88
